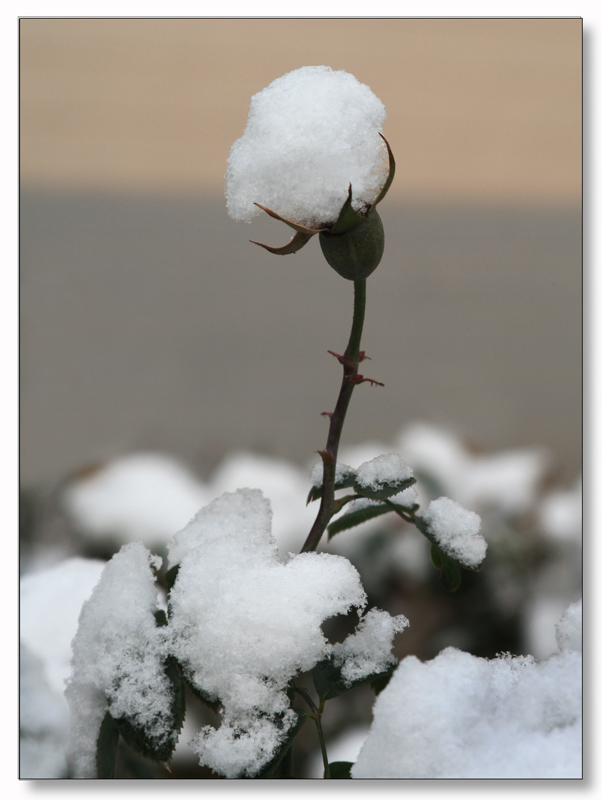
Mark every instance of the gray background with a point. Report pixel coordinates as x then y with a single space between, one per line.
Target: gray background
155 323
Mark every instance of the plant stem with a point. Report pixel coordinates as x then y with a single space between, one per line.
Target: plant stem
351 360
317 718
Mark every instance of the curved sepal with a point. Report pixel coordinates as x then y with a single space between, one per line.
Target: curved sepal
348 217
295 225
299 240
390 177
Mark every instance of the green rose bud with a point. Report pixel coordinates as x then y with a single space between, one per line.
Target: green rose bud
354 245
356 253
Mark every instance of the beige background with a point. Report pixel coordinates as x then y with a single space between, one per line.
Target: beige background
149 321
485 109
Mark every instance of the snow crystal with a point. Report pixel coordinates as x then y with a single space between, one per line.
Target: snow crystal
342 471
223 521
309 134
459 716
242 624
569 634
118 657
456 531
285 485
383 470
230 750
368 651
139 497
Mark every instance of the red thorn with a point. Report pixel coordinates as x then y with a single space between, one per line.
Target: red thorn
341 359
326 414
325 456
357 378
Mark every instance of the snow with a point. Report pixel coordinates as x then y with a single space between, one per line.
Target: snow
50 604
137 497
456 531
309 134
43 722
285 485
506 481
560 513
342 471
569 630
344 747
147 497
382 471
368 651
118 657
460 716
243 623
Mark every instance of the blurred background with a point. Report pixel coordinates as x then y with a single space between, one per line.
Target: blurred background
165 359
147 318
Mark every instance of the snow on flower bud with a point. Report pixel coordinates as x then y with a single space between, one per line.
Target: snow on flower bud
312 156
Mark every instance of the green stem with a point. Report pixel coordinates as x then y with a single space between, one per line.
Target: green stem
317 718
350 366
323 747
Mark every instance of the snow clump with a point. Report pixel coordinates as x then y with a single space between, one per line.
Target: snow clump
309 134
118 658
456 531
382 471
50 605
138 497
342 472
460 716
243 623
368 651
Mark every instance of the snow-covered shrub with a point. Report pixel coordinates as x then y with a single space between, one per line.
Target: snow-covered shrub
236 620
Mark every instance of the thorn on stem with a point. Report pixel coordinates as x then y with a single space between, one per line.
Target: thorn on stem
341 359
357 378
326 457
346 362
326 414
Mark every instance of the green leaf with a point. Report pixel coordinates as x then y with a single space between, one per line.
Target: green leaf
140 739
170 576
451 575
353 518
345 478
381 681
329 682
270 768
160 618
327 679
206 699
340 769
106 747
451 570
436 557
383 490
